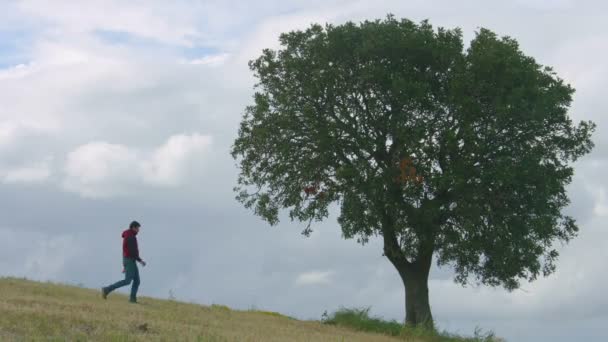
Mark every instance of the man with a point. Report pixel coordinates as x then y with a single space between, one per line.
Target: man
130 253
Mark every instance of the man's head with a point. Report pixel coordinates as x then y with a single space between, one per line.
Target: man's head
134 226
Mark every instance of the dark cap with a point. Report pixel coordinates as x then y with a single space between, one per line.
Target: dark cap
134 224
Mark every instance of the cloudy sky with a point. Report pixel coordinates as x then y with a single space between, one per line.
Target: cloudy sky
114 110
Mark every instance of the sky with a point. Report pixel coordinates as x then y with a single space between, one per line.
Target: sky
112 111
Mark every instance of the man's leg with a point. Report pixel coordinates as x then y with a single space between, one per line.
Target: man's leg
135 286
129 275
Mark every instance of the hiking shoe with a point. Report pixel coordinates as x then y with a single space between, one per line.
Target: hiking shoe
104 293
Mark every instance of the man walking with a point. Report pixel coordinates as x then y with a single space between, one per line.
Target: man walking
130 253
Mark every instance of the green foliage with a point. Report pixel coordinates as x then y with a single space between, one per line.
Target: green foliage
272 313
360 320
484 135
219 307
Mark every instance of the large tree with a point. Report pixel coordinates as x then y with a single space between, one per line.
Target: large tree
446 152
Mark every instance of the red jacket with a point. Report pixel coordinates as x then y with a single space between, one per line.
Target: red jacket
129 245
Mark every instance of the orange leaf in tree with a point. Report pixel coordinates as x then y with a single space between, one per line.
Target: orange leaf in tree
310 190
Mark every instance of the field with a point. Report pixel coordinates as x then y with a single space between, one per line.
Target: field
32 311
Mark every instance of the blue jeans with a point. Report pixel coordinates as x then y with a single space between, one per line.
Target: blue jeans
131 275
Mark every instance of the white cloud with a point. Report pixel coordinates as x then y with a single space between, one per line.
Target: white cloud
36 97
101 169
314 278
601 205
211 60
50 256
586 71
149 19
8 133
168 164
36 173
547 4
41 256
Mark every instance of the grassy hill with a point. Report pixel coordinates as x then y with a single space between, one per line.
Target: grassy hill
43 311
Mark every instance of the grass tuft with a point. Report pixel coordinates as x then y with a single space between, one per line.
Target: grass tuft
271 313
220 307
359 319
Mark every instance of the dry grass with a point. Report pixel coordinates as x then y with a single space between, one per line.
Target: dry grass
34 311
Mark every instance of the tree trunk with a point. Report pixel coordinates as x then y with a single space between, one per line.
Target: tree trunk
414 274
415 279
417 308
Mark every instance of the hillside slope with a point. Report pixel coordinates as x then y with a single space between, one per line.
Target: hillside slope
44 311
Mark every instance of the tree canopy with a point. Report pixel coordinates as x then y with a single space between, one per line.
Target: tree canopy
446 151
